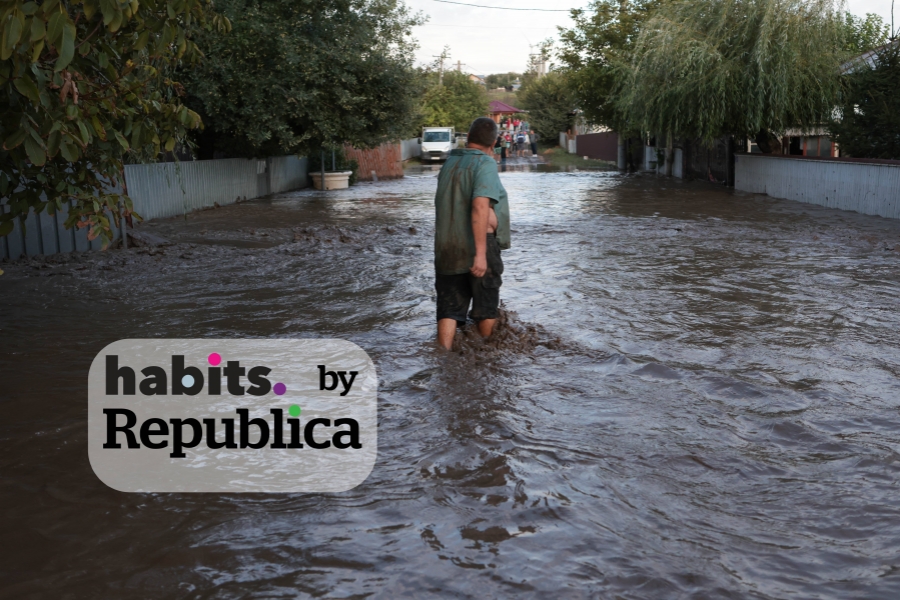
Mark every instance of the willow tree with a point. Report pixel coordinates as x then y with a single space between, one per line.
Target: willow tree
706 68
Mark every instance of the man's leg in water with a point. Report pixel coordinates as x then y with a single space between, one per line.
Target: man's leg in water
486 327
454 293
446 332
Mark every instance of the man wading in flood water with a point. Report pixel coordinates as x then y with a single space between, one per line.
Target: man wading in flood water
471 226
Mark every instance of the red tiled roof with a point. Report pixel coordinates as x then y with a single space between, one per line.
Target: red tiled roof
501 107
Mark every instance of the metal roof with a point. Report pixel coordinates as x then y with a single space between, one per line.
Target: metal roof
502 107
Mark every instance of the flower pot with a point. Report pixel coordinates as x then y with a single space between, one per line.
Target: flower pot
334 180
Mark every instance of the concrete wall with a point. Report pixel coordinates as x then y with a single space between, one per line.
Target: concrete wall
164 190
869 187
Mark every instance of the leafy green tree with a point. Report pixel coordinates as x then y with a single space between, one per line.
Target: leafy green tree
705 68
456 103
550 103
860 35
596 47
869 124
294 76
85 84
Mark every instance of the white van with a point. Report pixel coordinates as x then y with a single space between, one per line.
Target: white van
437 142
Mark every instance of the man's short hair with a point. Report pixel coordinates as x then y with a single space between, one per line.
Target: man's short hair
483 132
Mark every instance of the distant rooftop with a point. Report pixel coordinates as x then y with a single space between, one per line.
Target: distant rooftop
502 107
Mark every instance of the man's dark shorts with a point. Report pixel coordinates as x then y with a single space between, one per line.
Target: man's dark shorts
454 292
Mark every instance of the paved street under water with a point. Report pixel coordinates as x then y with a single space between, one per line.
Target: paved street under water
694 394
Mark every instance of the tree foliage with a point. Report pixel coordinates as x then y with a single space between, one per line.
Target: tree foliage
595 48
85 84
504 80
550 103
869 112
860 35
296 75
456 103
704 68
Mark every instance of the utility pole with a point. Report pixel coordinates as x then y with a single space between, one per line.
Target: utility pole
443 56
538 60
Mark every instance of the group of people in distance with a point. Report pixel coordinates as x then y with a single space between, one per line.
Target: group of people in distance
511 124
516 141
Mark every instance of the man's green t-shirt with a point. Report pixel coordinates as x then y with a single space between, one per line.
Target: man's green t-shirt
467 174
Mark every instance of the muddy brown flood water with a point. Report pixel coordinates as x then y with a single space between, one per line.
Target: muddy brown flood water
695 395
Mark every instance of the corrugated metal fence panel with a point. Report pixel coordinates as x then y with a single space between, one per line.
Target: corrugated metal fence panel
46 234
287 173
163 190
169 189
410 148
872 189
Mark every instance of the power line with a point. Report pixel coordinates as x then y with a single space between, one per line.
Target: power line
506 7
494 27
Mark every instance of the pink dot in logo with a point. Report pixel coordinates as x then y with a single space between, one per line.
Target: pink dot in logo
279 388
215 359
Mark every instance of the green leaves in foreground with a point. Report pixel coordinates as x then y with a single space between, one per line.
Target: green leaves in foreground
84 86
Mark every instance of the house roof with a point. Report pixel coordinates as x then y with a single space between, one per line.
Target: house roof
866 59
502 107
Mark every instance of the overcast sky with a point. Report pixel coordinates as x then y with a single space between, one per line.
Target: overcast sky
497 41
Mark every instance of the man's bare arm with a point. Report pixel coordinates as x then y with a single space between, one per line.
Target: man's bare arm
481 209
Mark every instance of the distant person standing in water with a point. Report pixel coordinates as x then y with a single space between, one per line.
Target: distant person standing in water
534 141
471 227
521 141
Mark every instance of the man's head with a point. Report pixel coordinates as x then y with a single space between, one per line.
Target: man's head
483 132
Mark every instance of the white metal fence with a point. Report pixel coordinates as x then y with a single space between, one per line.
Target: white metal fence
164 190
868 188
410 148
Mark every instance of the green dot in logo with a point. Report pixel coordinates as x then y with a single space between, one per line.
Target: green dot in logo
294 410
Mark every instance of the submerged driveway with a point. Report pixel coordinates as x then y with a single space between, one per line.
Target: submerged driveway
694 394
